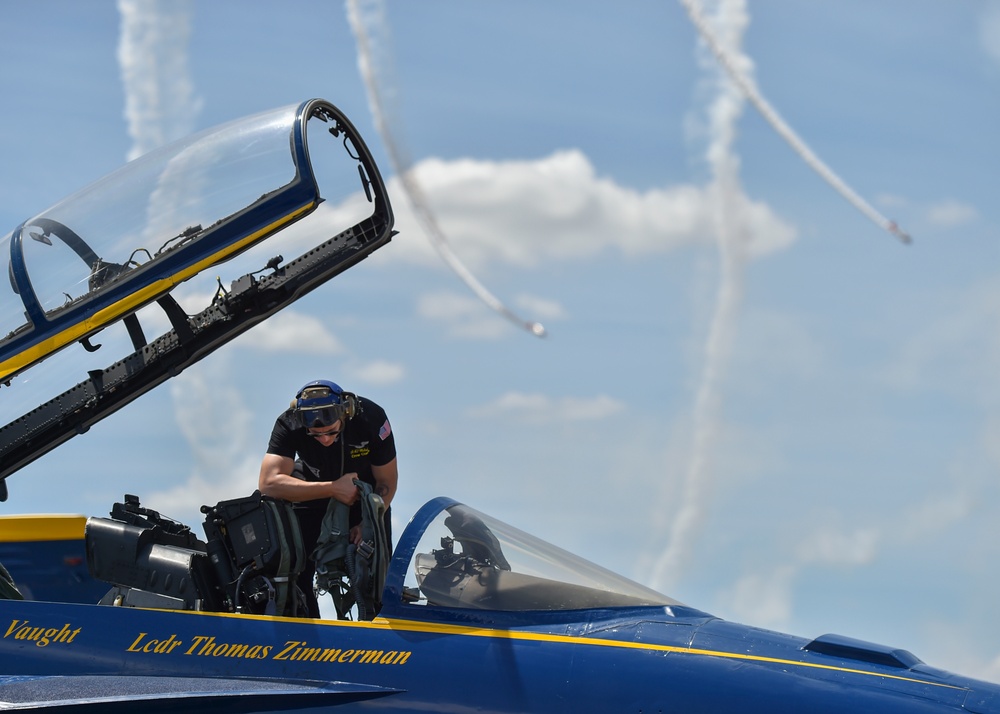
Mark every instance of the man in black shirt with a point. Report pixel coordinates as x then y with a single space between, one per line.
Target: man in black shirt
325 440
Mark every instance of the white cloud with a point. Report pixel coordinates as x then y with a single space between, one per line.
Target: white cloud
767 595
379 372
287 331
891 200
447 306
802 356
989 31
291 331
533 212
767 598
764 599
541 308
951 213
465 316
215 421
485 328
537 408
529 212
990 438
829 547
955 349
526 213
991 672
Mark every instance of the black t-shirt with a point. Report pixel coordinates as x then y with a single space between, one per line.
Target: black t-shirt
366 441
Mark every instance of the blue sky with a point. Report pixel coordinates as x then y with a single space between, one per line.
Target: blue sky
835 390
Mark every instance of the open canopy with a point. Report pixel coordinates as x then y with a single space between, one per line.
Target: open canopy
128 240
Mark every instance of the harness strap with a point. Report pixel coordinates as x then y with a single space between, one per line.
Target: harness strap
280 578
353 575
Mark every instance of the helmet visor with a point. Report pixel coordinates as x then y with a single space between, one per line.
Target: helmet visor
319 417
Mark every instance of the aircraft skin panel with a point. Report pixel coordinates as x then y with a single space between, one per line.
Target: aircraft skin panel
652 647
111 694
514 670
46 557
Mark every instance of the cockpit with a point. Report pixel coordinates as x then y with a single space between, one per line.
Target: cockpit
450 556
467 559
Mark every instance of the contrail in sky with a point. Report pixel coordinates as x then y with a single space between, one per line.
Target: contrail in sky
160 107
380 95
160 104
728 198
749 88
731 236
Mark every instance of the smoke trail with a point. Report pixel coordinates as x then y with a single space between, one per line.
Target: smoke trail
375 73
160 105
731 237
749 88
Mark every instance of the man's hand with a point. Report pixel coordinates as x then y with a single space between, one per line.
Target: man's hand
344 489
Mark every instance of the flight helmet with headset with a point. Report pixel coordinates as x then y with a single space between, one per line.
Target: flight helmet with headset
321 403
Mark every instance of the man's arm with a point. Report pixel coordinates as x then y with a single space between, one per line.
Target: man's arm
386 477
276 481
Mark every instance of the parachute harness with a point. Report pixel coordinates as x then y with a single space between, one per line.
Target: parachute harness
353 575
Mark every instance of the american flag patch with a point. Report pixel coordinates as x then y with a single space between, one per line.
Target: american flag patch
384 432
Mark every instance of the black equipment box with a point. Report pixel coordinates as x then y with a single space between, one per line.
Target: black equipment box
135 557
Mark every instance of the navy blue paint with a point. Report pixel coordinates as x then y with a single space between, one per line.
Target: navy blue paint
451 670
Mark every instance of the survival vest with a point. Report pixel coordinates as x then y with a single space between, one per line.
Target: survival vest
353 575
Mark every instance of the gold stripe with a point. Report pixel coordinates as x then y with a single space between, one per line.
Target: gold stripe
380 623
133 301
411 626
24 529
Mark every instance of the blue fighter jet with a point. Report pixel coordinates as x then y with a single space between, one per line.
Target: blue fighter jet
475 615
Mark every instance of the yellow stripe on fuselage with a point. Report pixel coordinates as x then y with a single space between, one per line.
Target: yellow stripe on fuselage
412 626
33 528
380 623
133 301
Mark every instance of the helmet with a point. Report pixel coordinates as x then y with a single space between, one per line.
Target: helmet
321 403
